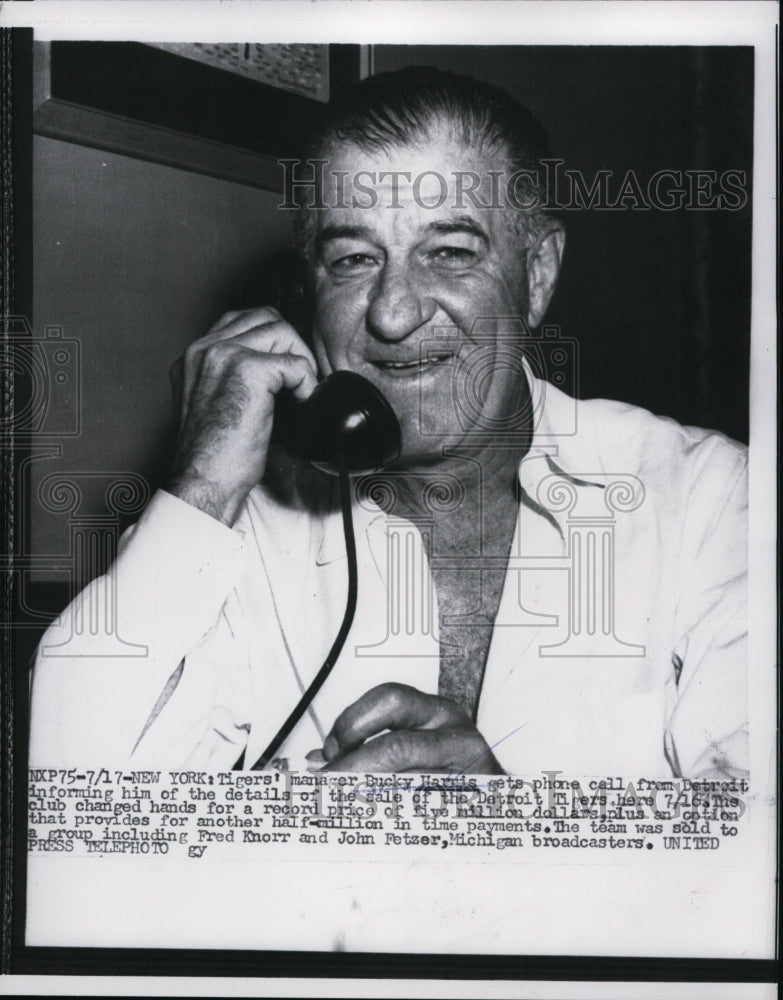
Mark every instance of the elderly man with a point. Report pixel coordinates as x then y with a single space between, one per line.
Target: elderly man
541 584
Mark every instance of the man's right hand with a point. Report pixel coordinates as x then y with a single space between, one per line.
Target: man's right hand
227 382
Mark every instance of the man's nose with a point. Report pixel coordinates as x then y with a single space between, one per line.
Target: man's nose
398 305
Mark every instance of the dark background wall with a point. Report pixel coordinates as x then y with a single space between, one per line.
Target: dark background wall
135 259
658 301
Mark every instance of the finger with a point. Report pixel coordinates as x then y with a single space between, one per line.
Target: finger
241 324
254 373
275 337
229 326
243 319
234 324
447 750
288 371
388 706
315 760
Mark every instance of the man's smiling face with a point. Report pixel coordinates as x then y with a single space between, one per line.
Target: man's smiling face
398 289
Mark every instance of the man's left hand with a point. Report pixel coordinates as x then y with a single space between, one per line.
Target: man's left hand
425 733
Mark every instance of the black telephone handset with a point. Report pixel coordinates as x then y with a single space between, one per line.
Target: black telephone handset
346 426
347 420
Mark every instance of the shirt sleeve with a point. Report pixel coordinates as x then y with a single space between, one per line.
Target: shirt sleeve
707 734
115 652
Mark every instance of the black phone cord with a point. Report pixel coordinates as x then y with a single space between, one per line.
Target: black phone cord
350 609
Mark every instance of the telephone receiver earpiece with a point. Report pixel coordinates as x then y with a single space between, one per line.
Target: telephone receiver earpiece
346 421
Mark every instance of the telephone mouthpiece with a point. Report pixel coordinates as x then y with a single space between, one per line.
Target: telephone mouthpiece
348 420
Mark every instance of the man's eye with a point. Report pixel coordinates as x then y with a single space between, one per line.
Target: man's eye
453 256
351 264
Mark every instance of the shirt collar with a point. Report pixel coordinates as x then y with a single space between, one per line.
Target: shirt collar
563 452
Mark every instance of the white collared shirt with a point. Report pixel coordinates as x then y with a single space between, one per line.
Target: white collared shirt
618 647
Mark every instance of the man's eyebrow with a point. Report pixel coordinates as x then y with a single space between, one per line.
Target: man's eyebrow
335 232
462 224
442 227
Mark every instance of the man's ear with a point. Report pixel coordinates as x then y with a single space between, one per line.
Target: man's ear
543 267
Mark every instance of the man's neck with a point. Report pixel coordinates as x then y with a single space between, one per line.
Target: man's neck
469 499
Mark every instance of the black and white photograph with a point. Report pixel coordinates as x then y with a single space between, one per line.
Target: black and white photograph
389 468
